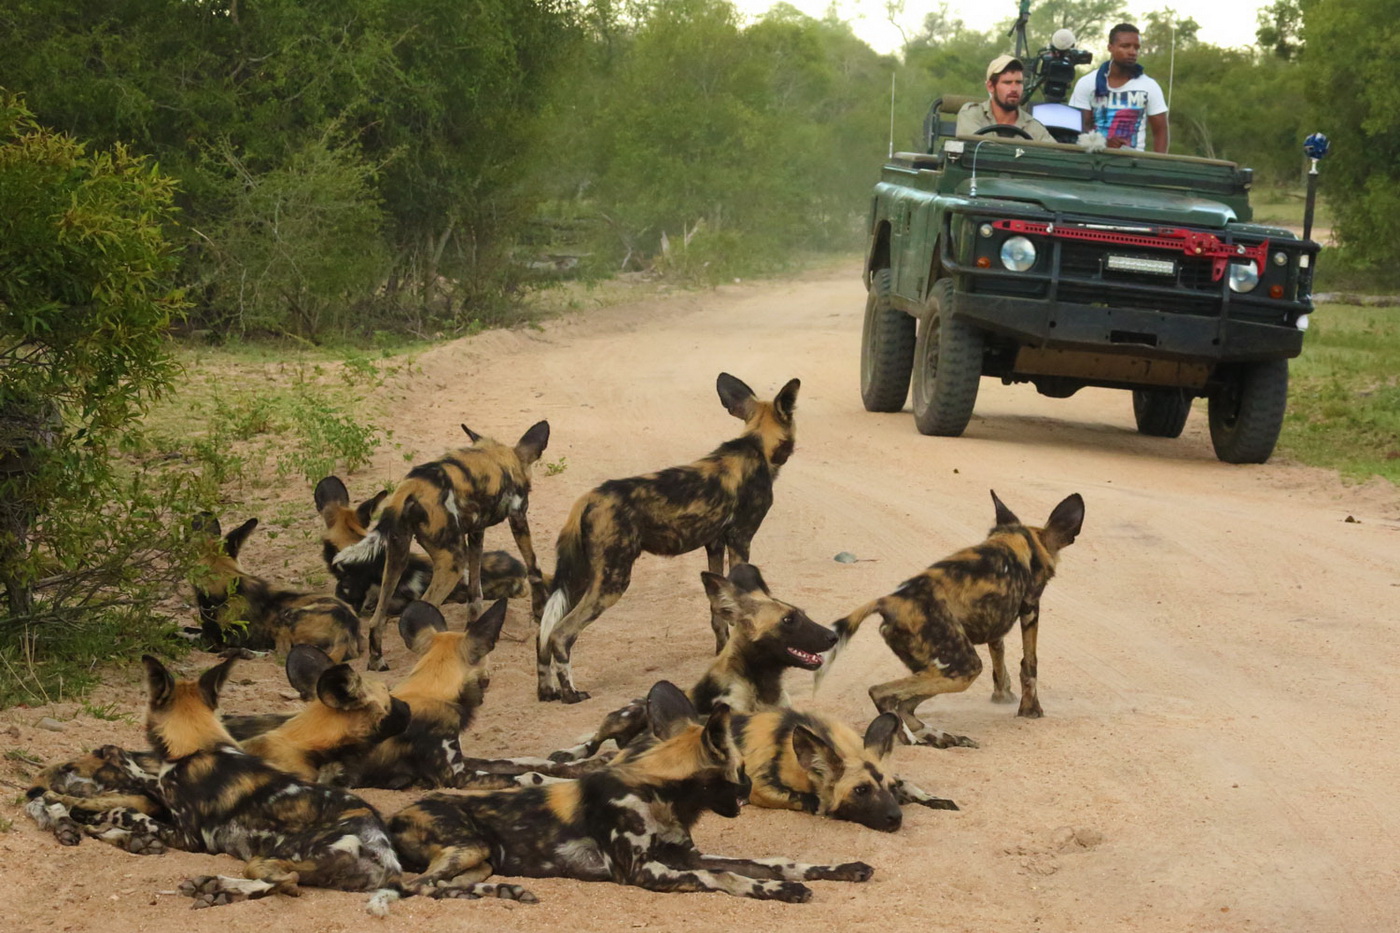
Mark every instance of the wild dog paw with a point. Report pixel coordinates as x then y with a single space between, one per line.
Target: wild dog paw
143 844
1003 696
849 871
790 892
218 890
377 664
570 695
451 893
67 832
938 739
1031 710
546 694
510 892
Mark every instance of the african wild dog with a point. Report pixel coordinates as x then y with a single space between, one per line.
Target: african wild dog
629 823
717 503
973 597
767 637
69 798
223 800
447 505
815 763
502 576
240 610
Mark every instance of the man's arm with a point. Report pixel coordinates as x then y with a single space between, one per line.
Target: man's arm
969 119
1161 134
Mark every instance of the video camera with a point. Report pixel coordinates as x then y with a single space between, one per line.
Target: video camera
1053 71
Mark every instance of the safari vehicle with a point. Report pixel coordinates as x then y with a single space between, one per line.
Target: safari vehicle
1048 263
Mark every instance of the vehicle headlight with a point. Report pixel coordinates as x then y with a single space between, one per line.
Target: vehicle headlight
1018 254
1243 276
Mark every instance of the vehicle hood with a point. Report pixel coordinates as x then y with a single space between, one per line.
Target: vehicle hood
1105 200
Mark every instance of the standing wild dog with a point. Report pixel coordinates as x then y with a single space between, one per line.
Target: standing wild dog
447 505
223 800
628 824
933 621
716 503
502 576
276 617
817 764
766 638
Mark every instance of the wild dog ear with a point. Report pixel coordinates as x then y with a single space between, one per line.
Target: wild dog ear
471 434
785 402
748 579
482 634
1064 524
160 684
418 623
364 512
723 596
815 754
205 523
330 493
305 665
211 682
1004 515
717 738
234 540
339 687
881 734
737 398
532 443
668 709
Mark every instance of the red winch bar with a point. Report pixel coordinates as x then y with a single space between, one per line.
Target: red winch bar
1192 243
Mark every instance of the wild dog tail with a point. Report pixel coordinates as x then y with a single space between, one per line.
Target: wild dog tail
370 548
571 568
845 629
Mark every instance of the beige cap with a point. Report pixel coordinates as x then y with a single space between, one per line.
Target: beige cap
1001 63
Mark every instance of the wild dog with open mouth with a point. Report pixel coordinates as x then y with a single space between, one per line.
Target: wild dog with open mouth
767 638
933 621
502 576
223 800
276 617
628 824
447 505
815 763
716 503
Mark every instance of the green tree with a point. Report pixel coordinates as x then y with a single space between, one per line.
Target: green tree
1280 28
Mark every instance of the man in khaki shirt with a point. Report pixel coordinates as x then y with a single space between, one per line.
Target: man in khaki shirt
1005 79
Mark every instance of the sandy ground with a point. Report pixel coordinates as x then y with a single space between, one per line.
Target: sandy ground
1217 660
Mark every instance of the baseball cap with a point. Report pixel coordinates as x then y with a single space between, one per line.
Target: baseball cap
1001 63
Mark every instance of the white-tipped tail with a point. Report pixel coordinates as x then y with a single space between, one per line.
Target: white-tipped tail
555 608
365 550
828 659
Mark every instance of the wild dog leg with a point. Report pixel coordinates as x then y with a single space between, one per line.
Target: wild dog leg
621 725
476 602
906 792
780 869
1001 680
218 890
903 696
520 529
714 553
1030 699
53 816
448 564
555 657
654 876
395 562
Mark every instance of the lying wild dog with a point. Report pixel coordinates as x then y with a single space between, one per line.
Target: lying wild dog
973 597
817 764
444 691
223 800
276 617
629 823
447 505
502 576
767 637
716 503
69 798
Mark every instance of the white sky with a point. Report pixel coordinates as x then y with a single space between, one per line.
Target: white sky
1228 23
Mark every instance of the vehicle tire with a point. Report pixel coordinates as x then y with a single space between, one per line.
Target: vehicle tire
886 348
1161 412
1246 413
947 367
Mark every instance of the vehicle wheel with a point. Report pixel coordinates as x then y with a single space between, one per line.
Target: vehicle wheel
1246 413
886 348
947 368
1161 412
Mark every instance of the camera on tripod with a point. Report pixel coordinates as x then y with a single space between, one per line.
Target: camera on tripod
1054 67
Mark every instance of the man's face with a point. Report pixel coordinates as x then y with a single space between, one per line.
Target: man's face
1124 48
1006 88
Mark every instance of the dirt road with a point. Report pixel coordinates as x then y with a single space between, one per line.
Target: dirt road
1217 659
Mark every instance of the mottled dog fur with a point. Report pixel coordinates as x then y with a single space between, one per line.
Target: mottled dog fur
717 503
934 621
502 576
629 824
447 505
276 617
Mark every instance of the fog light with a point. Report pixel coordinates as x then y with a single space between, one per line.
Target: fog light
1018 254
1280 258
985 229
1244 276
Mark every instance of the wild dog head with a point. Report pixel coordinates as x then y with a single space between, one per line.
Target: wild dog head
1064 525
346 527
218 577
109 769
452 666
180 718
683 749
764 631
772 422
849 776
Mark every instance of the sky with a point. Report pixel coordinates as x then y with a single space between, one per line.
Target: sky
1227 23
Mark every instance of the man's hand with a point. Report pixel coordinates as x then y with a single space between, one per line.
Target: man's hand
1117 142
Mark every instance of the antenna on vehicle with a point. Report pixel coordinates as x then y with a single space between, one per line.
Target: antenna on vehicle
891 152
1171 69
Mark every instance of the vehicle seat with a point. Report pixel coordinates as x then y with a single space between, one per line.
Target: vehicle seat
942 119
